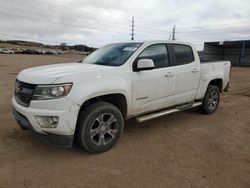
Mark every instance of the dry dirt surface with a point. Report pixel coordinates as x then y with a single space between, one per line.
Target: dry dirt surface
185 149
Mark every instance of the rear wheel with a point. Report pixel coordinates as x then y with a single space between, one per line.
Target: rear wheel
100 125
211 100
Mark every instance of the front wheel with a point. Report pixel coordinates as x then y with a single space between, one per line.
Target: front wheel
100 125
211 100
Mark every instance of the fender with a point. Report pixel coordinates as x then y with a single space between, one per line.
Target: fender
108 82
209 72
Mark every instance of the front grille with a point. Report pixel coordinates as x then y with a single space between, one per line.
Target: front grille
23 93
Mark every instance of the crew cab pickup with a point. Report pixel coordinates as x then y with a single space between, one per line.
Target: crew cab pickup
88 101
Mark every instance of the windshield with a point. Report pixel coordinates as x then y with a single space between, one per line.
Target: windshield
112 54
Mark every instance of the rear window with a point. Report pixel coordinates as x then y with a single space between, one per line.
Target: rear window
183 54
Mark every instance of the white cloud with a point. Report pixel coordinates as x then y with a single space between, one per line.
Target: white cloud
98 22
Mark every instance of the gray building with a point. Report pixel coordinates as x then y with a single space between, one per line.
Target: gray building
238 52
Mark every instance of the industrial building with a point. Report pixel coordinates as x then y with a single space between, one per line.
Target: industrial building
238 52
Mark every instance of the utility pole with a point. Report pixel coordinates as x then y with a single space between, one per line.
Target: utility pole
173 34
132 28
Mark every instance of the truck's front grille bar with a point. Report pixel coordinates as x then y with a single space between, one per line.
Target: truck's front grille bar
23 93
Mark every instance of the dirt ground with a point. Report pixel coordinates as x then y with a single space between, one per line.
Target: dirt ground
185 149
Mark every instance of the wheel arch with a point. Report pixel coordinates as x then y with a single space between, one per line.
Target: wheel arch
218 82
117 99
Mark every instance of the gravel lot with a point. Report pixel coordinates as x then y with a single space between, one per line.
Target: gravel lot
185 149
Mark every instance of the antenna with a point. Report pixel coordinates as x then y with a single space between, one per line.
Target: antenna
132 28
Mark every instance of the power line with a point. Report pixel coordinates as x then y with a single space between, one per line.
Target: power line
98 45
50 9
160 31
94 29
149 29
88 29
67 11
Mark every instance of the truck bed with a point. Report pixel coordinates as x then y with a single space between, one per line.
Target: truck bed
211 61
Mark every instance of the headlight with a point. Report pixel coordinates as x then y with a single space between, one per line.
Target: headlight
43 92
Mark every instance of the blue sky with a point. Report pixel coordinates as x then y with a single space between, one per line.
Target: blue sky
98 22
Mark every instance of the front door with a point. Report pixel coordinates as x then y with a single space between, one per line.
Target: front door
152 89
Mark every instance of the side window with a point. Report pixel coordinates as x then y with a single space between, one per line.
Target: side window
183 54
158 53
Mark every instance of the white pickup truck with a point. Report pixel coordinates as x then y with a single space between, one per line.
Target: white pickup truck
88 101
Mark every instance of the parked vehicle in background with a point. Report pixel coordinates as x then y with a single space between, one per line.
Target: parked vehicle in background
7 51
18 51
49 52
29 51
89 101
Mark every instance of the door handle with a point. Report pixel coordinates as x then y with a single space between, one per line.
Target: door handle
195 70
169 74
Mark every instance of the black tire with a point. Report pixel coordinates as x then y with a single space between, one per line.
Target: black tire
104 121
211 100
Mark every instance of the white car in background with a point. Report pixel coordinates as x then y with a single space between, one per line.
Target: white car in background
7 51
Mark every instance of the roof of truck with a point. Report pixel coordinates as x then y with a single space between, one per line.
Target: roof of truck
154 41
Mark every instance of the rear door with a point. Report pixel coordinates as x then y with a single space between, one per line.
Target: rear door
187 73
152 89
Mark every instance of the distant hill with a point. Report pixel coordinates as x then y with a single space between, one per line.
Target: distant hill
29 44
22 43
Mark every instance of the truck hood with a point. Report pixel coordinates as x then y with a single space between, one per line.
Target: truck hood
50 73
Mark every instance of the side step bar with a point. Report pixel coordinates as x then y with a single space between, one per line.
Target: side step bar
165 112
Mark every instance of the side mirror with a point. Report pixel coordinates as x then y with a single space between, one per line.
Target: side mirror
145 64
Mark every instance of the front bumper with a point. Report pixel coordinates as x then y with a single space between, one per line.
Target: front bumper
58 140
67 112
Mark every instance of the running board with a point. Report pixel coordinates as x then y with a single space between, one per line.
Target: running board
166 112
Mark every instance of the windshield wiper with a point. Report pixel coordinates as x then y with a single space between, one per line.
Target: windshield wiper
100 63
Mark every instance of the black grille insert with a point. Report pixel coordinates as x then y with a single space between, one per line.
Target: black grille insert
23 93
